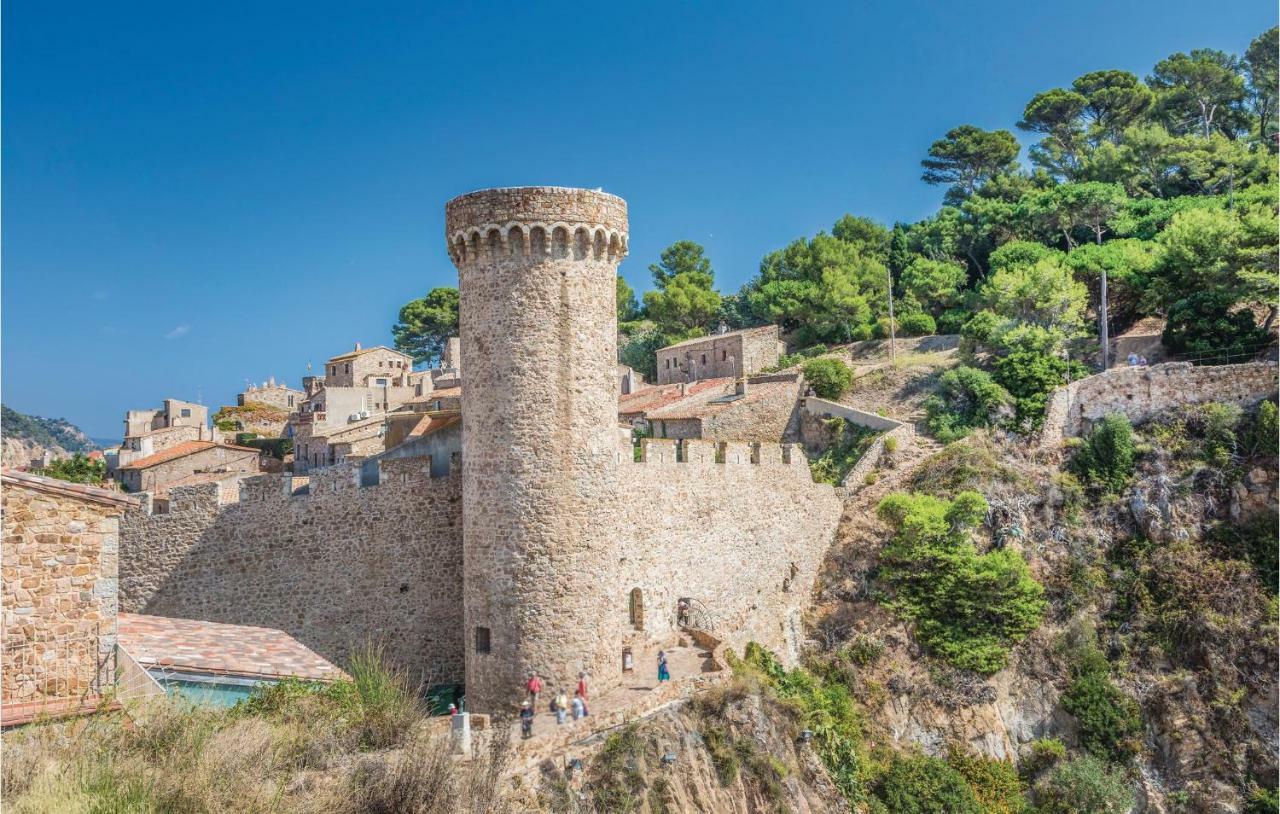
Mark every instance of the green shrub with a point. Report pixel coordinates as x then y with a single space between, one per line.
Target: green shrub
1253 540
919 784
968 608
969 398
1218 424
1109 720
826 708
918 324
1045 754
1030 374
1262 801
1262 434
79 468
880 330
851 443
1084 785
828 377
995 783
1105 459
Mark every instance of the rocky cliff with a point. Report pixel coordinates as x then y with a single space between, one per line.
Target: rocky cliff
27 438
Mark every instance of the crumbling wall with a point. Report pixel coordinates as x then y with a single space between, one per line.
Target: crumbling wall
1140 392
743 537
332 563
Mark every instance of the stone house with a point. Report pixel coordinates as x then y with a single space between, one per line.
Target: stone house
147 432
433 436
758 408
184 460
375 367
318 444
273 393
60 547
732 353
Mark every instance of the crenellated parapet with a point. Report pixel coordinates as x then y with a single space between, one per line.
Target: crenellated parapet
713 455
536 222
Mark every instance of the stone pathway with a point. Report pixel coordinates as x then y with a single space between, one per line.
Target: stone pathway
636 687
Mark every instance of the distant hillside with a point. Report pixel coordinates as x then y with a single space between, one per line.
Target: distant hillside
27 437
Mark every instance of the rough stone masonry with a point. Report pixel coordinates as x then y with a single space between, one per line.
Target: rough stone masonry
568 552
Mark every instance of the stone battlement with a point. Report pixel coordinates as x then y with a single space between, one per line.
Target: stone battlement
536 222
284 489
693 452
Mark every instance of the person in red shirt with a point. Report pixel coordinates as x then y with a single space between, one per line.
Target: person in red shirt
534 687
582 685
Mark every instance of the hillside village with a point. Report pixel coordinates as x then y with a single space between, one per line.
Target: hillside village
922 519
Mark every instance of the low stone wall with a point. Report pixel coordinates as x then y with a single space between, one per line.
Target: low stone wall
817 411
829 409
871 459
1140 392
333 564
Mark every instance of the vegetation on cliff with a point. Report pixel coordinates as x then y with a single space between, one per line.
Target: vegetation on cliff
50 433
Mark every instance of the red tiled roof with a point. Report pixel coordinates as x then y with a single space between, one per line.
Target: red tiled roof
181 451
652 398
67 489
243 650
704 405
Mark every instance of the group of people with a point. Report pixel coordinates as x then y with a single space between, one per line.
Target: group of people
561 705
1136 361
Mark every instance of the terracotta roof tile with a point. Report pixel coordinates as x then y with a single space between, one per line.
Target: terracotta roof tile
243 650
653 398
706 404
66 488
181 451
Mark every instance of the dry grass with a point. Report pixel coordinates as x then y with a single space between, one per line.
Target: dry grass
352 746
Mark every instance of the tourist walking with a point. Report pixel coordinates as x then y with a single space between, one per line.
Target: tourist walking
534 686
526 720
582 686
664 673
579 706
560 705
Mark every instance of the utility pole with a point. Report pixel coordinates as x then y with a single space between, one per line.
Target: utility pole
1102 315
893 355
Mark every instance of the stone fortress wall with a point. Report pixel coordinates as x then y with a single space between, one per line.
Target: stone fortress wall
1140 392
562 528
332 563
739 528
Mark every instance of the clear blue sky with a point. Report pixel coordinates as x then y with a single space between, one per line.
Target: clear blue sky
200 193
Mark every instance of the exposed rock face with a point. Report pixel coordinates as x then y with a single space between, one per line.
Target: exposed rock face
772 770
30 438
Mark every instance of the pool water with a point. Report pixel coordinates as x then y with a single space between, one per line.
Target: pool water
207 693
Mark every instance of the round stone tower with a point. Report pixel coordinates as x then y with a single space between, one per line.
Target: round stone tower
537 271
